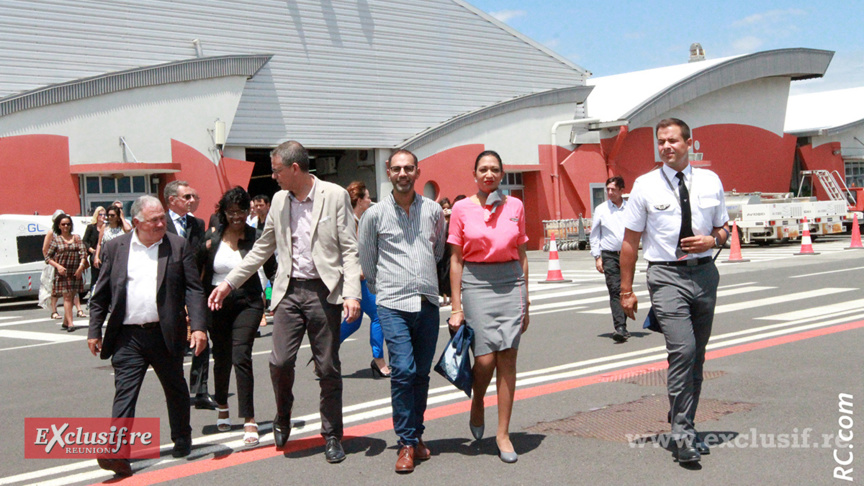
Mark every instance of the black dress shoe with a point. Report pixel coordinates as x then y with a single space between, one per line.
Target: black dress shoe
281 433
620 335
203 401
182 447
701 446
120 467
687 453
333 451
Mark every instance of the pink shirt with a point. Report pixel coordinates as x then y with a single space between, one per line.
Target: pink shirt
496 240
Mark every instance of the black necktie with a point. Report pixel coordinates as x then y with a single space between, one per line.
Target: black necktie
686 218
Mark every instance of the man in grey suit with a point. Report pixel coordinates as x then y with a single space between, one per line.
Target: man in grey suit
311 227
148 281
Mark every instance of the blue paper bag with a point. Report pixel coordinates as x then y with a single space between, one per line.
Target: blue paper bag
455 363
651 322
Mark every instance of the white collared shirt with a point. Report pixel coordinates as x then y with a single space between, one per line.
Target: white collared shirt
302 265
654 210
175 219
607 228
141 271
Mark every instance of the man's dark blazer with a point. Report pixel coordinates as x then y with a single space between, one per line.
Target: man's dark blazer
179 290
194 229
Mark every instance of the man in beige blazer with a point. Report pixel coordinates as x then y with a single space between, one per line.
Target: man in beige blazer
311 227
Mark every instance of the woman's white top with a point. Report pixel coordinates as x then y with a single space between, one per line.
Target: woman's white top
224 261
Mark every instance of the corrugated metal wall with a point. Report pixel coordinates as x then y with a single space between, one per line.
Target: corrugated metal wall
352 73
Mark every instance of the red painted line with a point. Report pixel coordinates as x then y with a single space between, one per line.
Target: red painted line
243 457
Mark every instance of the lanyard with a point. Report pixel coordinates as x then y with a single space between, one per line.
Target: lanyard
674 191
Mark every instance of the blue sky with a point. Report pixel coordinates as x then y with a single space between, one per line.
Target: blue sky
617 37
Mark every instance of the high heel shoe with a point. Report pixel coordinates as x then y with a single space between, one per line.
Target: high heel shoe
508 457
376 371
476 431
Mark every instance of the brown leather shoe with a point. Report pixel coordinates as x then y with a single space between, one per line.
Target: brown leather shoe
405 463
421 452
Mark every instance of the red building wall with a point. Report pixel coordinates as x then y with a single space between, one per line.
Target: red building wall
451 171
209 180
36 175
747 158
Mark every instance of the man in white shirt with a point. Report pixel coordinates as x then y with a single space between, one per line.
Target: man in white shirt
680 214
148 281
607 232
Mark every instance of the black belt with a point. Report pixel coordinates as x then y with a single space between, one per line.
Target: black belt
683 263
298 279
610 251
145 326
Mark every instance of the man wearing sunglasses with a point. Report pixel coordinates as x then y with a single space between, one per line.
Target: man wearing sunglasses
181 198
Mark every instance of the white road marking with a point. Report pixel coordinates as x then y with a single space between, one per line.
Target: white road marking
441 394
842 307
42 336
720 293
722 309
826 273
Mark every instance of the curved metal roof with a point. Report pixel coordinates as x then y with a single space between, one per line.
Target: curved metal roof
572 94
825 112
159 74
687 82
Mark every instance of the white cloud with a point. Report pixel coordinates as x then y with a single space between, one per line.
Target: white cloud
769 17
748 43
507 15
552 43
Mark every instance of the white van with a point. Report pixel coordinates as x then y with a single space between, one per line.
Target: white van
21 260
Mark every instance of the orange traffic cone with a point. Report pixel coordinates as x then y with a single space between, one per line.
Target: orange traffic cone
806 243
735 248
856 236
554 275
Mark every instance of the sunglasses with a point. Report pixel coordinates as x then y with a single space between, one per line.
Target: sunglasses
65 224
189 196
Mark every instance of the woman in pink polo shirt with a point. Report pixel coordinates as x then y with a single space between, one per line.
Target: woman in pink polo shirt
488 270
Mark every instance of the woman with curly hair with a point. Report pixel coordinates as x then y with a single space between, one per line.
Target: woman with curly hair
232 328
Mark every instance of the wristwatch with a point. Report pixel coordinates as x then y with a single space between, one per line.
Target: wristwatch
717 242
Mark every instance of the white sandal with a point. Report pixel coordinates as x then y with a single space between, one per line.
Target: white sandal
223 424
250 439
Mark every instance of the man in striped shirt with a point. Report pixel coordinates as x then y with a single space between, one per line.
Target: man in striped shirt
401 240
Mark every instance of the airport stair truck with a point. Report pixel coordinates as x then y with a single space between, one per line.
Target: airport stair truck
850 199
